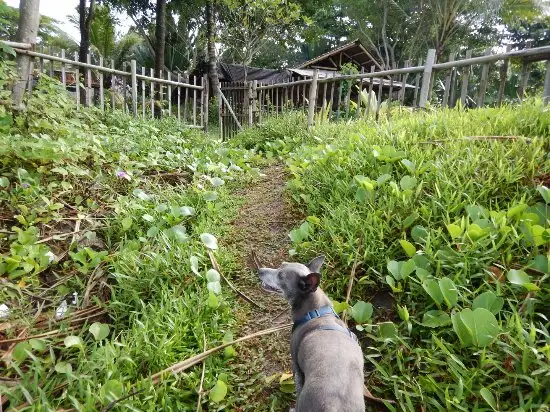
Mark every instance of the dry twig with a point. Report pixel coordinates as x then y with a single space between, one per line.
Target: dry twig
238 292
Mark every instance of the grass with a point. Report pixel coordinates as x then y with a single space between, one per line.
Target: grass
435 220
114 210
450 237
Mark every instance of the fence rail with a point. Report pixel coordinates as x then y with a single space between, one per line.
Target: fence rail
342 96
125 87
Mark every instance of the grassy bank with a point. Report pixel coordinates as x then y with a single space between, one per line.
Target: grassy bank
112 214
449 229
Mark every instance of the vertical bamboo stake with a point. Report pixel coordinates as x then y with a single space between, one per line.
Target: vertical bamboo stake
194 101
304 94
250 103
465 80
427 79
143 93
483 83
30 78
332 86
379 98
63 70
88 82
41 61
161 92
403 88
503 76
546 91
340 86
452 94
101 91
417 85
133 69
261 106
169 93
390 93
254 100
277 90
524 77
324 105
359 92
124 83
77 81
50 52
447 92
205 92
179 99
371 85
312 99
348 97
187 80
113 84
152 91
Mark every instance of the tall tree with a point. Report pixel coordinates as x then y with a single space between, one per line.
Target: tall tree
211 39
102 30
85 16
160 36
29 18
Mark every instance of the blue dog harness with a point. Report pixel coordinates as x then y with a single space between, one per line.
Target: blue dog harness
317 313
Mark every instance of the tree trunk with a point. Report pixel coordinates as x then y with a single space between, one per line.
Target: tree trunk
85 17
29 19
211 36
85 23
160 36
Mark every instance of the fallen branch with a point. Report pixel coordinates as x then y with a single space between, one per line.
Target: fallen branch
368 395
256 260
186 364
351 279
202 375
60 236
52 334
238 292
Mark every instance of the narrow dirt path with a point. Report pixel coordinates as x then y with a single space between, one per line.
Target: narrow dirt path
262 226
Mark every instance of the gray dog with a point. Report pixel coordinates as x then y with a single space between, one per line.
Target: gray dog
327 360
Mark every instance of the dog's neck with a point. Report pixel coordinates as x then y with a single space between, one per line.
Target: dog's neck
315 300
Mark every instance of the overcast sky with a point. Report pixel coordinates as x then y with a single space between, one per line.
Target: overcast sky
60 9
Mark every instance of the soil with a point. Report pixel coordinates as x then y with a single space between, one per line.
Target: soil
262 227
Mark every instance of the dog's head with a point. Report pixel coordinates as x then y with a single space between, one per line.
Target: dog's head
292 280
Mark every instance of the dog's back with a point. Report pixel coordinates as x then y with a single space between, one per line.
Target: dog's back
331 363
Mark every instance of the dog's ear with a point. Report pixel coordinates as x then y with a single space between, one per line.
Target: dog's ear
310 283
315 265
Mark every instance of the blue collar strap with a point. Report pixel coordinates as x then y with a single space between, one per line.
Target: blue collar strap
317 313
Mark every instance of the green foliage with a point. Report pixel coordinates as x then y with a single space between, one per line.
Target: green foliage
453 231
137 189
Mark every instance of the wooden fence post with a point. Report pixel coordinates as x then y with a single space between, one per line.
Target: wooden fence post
101 91
205 102
503 77
483 82
88 81
77 81
152 92
524 77
417 84
427 79
179 99
250 103
113 87
143 92
63 72
546 92
255 100
465 80
447 92
312 99
133 68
